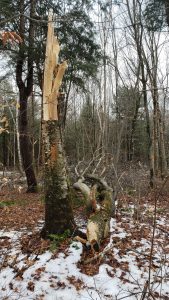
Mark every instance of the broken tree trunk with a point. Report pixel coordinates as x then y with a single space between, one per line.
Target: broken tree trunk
86 192
99 199
58 209
98 225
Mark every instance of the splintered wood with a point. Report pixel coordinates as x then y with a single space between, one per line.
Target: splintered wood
58 210
99 200
53 74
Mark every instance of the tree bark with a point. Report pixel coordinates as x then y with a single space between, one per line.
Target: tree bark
100 204
160 164
58 209
25 144
98 225
18 144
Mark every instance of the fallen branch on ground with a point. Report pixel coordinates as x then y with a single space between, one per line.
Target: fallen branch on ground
99 199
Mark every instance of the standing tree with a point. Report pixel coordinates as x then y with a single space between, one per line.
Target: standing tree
157 14
25 86
58 211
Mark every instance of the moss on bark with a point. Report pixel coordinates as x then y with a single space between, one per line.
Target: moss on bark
58 208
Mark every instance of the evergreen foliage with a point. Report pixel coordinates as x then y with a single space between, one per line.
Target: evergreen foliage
75 31
155 15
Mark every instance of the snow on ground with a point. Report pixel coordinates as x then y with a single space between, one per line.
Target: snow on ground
123 272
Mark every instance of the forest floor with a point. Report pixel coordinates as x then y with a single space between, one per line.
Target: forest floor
33 268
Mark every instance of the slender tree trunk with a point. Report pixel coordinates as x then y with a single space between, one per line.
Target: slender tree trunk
162 151
13 154
133 127
24 93
25 144
148 129
4 149
135 16
160 164
17 140
155 137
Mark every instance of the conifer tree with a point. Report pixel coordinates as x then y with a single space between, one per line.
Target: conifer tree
75 32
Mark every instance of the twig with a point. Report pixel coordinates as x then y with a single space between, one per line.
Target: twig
144 292
101 254
162 229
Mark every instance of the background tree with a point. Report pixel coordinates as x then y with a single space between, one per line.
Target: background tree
129 105
76 33
156 14
85 130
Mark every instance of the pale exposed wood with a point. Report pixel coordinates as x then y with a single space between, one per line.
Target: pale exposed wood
98 225
55 52
48 71
58 209
53 111
101 255
92 232
53 74
81 240
99 202
59 76
85 190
